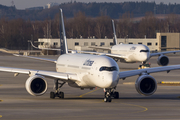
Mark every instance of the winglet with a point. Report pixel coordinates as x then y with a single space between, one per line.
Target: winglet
114 32
63 41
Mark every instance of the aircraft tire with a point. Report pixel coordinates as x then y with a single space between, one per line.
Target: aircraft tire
116 95
61 95
52 95
107 99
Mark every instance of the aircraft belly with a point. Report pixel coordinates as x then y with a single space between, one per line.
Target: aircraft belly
131 58
87 82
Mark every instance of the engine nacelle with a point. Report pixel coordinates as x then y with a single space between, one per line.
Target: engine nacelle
163 60
146 85
36 85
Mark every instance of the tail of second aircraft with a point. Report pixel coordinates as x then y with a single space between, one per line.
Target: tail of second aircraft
114 32
63 41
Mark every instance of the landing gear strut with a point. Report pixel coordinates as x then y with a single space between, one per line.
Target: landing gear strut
57 92
109 93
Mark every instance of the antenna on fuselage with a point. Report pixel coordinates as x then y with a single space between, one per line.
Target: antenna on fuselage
114 32
63 41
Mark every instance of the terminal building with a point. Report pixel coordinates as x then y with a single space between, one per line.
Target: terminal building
162 42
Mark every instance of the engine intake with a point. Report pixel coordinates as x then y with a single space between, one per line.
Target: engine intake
163 60
36 85
146 85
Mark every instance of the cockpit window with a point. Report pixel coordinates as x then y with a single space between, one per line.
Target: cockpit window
104 68
144 50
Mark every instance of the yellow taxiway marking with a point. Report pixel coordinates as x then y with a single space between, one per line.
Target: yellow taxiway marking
145 108
170 82
89 92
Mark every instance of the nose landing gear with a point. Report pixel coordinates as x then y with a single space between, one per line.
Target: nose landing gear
144 65
109 93
107 97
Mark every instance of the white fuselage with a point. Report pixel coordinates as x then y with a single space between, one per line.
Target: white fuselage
92 70
132 52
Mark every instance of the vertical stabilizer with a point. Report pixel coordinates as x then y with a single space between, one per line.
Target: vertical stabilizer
114 32
63 41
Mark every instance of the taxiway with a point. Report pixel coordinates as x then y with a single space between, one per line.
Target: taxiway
17 104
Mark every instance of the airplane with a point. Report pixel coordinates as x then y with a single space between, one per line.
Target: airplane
85 71
131 53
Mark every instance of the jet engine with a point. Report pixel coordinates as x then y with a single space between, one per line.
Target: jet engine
146 85
36 85
163 60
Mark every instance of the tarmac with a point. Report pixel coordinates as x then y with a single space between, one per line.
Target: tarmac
17 104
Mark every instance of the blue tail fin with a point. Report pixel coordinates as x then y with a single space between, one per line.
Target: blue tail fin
63 41
114 32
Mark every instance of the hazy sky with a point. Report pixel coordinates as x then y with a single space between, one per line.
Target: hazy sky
22 4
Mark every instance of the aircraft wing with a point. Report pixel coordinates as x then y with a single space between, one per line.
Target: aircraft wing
116 56
124 74
159 53
106 54
37 58
99 47
49 74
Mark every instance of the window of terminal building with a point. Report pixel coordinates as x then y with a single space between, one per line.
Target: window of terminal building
55 43
93 43
111 43
163 42
156 44
130 43
139 42
76 43
41 43
149 44
47 43
85 43
102 44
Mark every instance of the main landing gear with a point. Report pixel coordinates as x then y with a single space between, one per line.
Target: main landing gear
57 92
109 93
